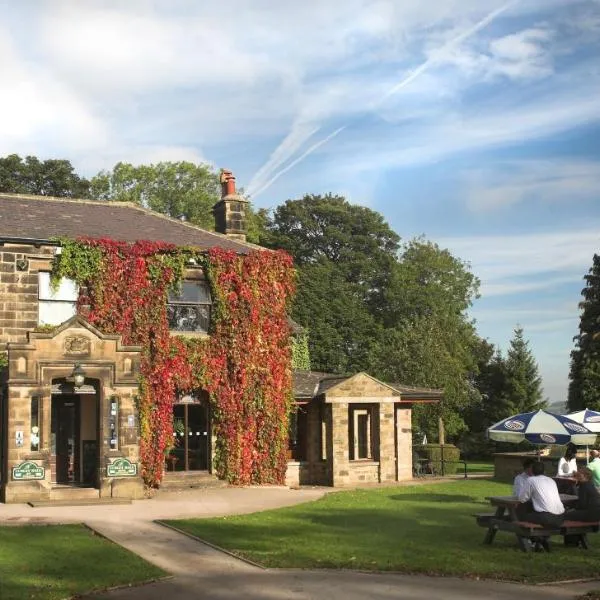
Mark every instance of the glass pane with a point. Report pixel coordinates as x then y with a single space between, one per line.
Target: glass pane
35 430
190 318
192 292
176 458
55 313
67 290
363 436
197 433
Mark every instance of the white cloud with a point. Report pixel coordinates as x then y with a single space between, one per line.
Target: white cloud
520 263
487 126
35 106
504 184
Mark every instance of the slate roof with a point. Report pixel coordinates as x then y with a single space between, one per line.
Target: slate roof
310 384
42 218
306 383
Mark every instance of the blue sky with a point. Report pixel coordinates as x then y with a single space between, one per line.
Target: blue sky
474 122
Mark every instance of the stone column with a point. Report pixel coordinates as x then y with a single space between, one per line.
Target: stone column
340 451
404 441
387 443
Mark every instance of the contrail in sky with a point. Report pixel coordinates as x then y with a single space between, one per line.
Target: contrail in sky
434 58
300 158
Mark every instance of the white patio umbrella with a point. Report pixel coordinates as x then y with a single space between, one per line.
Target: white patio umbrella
589 419
543 428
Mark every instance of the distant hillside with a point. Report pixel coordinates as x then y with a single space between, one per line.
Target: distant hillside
557 407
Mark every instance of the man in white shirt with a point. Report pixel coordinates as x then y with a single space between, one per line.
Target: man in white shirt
519 485
548 510
521 479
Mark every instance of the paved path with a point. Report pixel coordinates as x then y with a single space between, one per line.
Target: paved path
204 573
166 505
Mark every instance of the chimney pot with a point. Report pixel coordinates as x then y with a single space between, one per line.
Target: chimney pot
230 211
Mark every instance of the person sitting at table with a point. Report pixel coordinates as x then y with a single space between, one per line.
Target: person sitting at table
594 467
567 465
519 484
587 508
521 479
548 510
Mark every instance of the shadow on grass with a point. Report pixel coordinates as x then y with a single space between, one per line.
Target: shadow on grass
434 498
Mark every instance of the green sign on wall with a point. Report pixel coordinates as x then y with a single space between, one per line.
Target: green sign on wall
27 471
121 467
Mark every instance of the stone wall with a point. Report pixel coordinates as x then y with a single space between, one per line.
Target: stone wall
19 267
47 358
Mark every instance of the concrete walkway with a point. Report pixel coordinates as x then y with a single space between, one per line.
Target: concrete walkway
204 573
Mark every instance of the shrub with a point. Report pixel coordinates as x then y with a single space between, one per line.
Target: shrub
434 453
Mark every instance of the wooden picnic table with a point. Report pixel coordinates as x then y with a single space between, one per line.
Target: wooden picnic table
506 519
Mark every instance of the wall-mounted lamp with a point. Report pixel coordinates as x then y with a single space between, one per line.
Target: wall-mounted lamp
78 375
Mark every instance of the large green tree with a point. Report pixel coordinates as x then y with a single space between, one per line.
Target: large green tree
584 386
345 255
429 339
52 177
176 189
371 304
327 228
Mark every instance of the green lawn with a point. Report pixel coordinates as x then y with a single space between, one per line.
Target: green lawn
416 529
479 467
58 561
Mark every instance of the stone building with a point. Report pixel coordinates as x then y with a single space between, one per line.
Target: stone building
351 429
68 420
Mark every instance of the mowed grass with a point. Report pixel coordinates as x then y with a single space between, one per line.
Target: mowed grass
59 561
479 467
417 529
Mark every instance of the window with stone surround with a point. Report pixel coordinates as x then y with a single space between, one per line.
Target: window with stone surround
189 310
298 434
362 420
56 306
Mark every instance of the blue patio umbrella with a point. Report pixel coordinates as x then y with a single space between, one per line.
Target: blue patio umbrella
542 428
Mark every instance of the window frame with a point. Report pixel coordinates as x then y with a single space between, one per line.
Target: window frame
46 297
178 302
355 447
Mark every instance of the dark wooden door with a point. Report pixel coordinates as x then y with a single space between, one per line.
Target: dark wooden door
65 430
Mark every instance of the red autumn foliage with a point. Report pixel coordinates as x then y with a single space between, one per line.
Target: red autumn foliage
244 365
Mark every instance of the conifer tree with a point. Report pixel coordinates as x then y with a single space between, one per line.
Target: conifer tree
523 383
584 386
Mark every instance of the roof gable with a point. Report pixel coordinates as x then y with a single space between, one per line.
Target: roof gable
361 385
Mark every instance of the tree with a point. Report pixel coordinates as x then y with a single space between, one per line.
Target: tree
342 330
584 386
402 317
317 229
523 384
345 256
429 340
176 189
50 177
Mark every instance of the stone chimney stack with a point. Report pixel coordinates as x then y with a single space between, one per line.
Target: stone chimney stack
230 210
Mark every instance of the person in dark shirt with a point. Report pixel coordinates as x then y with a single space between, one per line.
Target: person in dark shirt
587 508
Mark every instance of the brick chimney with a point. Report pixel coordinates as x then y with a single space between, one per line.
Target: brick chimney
230 210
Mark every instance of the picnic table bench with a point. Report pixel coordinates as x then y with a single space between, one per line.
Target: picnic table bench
505 519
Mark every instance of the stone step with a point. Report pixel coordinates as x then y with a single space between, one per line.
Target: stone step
184 480
78 502
67 492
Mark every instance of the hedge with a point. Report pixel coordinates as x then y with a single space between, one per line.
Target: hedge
434 453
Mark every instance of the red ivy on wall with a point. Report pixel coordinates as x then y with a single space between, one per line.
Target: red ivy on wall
244 365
